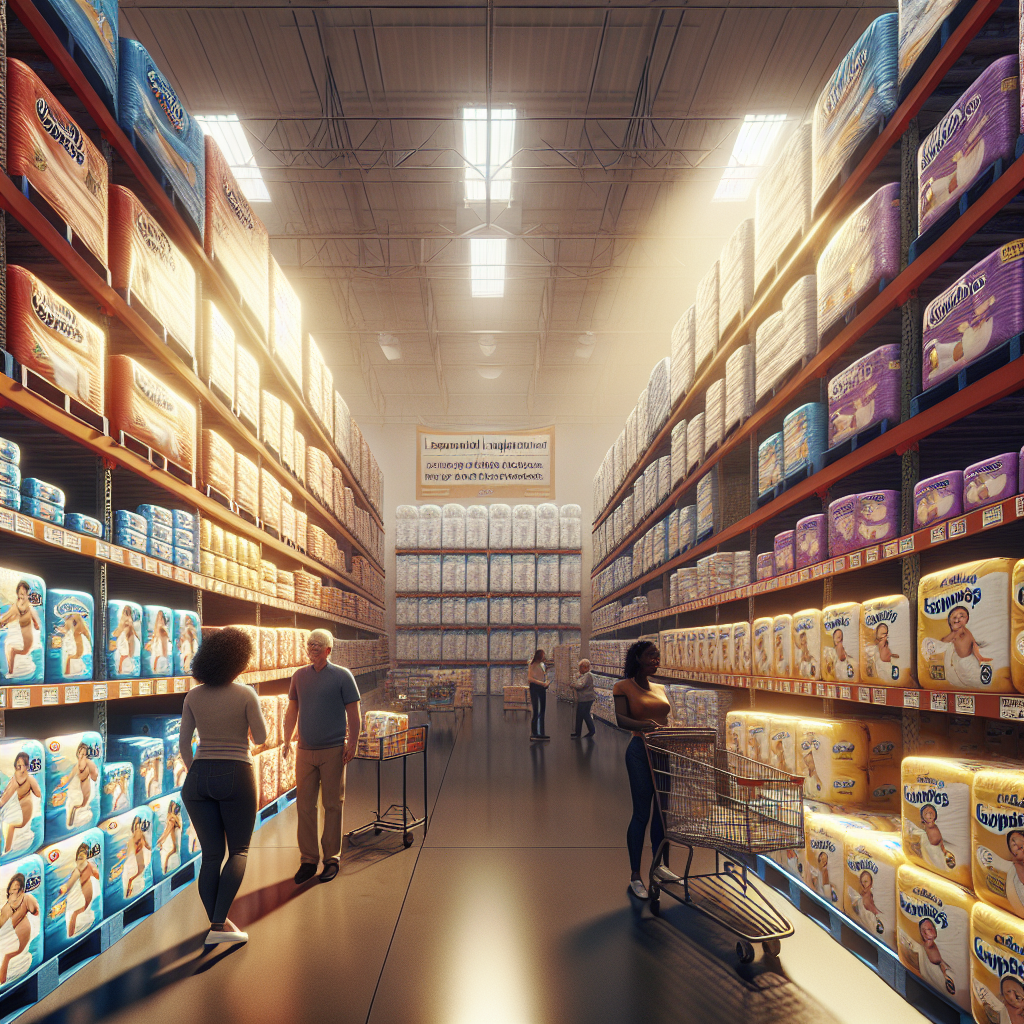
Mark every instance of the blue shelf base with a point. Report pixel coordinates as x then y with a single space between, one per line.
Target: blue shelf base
275 808
863 945
851 444
988 363
815 466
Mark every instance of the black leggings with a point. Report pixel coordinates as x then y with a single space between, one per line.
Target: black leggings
583 716
641 789
539 700
220 797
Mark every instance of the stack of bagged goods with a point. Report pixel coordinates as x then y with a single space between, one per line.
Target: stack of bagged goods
782 207
150 641
42 500
706 337
524 526
286 336
547 526
739 387
736 285
659 396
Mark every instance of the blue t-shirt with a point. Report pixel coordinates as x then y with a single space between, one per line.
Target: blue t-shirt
322 698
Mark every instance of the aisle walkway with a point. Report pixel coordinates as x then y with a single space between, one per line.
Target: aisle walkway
512 911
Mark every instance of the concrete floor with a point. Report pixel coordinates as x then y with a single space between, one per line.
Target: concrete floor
512 910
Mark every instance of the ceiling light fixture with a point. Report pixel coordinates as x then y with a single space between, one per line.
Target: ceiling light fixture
474 147
487 267
585 344
227 131
390 346
488 345
489 372
754 142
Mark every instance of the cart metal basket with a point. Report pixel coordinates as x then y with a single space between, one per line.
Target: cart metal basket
732 805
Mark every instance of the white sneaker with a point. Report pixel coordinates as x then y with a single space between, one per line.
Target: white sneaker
215 938
638 888
662 874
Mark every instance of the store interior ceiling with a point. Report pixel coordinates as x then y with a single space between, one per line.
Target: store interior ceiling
626 116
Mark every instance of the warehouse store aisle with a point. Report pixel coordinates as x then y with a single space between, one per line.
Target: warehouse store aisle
513 911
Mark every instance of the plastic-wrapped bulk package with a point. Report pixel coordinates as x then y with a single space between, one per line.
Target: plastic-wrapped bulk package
270 500
678 456
524 573
707 504
664 478
430 645
92 32
804 437
782 207
342 428
524 611
547 526
218 455
770 463
771 354
639 503
407 574
694 442
687 527
476 574
476 527
407 611
407 645
632 441
476 611
407 526
476 645
548 639
659 395
570 527
863 253
739 386
981 127
453 611
500 611
547 574
453 527
684 347
920 22
860 94
865 393
501 574
499 527
650 488
499 676
501 645
247 385
570 570
453 574
736 286
800 334
524 526
57 157
430 526
569 611
547 611
270 421
643 427
714 414
453 645
430 574
285 323
741 568
219 343
706 338
429 613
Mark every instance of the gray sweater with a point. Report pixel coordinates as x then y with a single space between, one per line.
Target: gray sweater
584 687
224 716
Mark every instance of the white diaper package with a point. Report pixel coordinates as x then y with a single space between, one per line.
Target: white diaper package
684 335
736 732
758 733
840 643
22 610
157 641
997 965
188 633
741 647
146 756
74 772
763 646
782 646
73 889
168 834
933 931
22 797
807 644
869 891
167 728
21 888
963 627
706 335
127 857
885 641
825 837
118 786
124 648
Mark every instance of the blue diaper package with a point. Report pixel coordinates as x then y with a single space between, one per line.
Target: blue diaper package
164 534
127 853
162 129
9 451
184 539
70 627
804 437
132 540
168 834
157 641
188 633
182 520
32 487
118 787
183 558
10 475
10 497
22 611
168 729
21 886
22 797
39 509
125 520
158 549
124 652
146 756
74 774
84 524
156 514
73 888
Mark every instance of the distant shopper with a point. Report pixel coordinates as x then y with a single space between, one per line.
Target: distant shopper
641 706
220 788
585 697
324 699
537 677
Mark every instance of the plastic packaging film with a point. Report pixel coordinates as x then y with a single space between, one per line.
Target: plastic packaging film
782 206
864 394
139 404
219 347
782 646
785 551
342 428
158 124
694 442
714 414
270 420
770 344
869 891
920 20
46 146
247 482
886 638
706 335
807 644
285 323
997 837
659 396
811 538
247 385
840 643
938 498
51 338
878 516
684 347
739 386
270 500
997 965
235 238
769 463
736 287
990 480
93 30
804 433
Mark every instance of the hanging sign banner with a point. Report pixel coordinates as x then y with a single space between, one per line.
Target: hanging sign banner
485 464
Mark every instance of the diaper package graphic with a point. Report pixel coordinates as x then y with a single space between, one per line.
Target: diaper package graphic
869 892
22 613
21 917
22 797
73 888
70 627
127 857
74 771
840 643
168 834
118 788
124 649
997 965
886 644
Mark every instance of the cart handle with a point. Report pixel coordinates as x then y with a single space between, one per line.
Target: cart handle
793 779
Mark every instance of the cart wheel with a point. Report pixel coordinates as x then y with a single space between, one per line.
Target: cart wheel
655 905
773 947
745 952
376 831
407 840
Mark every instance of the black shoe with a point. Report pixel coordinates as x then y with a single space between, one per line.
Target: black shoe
593 732
543 737
305 873
574 735
330 871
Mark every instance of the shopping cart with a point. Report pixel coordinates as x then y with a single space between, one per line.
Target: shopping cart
732 805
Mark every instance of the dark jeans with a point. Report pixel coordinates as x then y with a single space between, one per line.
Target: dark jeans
583 715
641 789
539 700
220 797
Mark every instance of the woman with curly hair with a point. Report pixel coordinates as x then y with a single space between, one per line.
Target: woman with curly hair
641 706
220 788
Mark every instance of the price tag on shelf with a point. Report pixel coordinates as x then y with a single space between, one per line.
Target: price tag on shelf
180 575
864 694
162 685
6 519
785 686
840 564
830 691
906 544
49 696
855 560
911 698
149 564
890 549
135 559
938 701
870 555
816 570
957 527
72 694
145 687
805 575
992 516
24 526
878 695
938 534
21 697
102 549
53 535
181 684
827 568
1020 506
125 688
99 691
965 703
1012 708
72 541
819 689
165 570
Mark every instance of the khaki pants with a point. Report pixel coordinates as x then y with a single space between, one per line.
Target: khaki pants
320 772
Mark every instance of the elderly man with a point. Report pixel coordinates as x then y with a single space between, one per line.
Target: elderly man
324 700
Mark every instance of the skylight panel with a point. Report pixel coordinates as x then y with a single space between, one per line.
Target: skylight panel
227 131
487 267
754 142
474 146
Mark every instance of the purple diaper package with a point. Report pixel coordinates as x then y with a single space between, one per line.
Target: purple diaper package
785 551
865 393
990 481
811 540
878 516
938 498
766 565
842 525
981 127
1020 472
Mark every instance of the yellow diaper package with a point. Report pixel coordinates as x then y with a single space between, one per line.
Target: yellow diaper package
934 734
1017 627
963 627
886 642
736 732
997 966
714 661
741 647
762 629
871 860
702 649
833 760
725 648
782 646
936 808
997 837
885 741
782 743
840 643
807 644
824 842
933 931
757 737
876 821
884 786
1002 739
